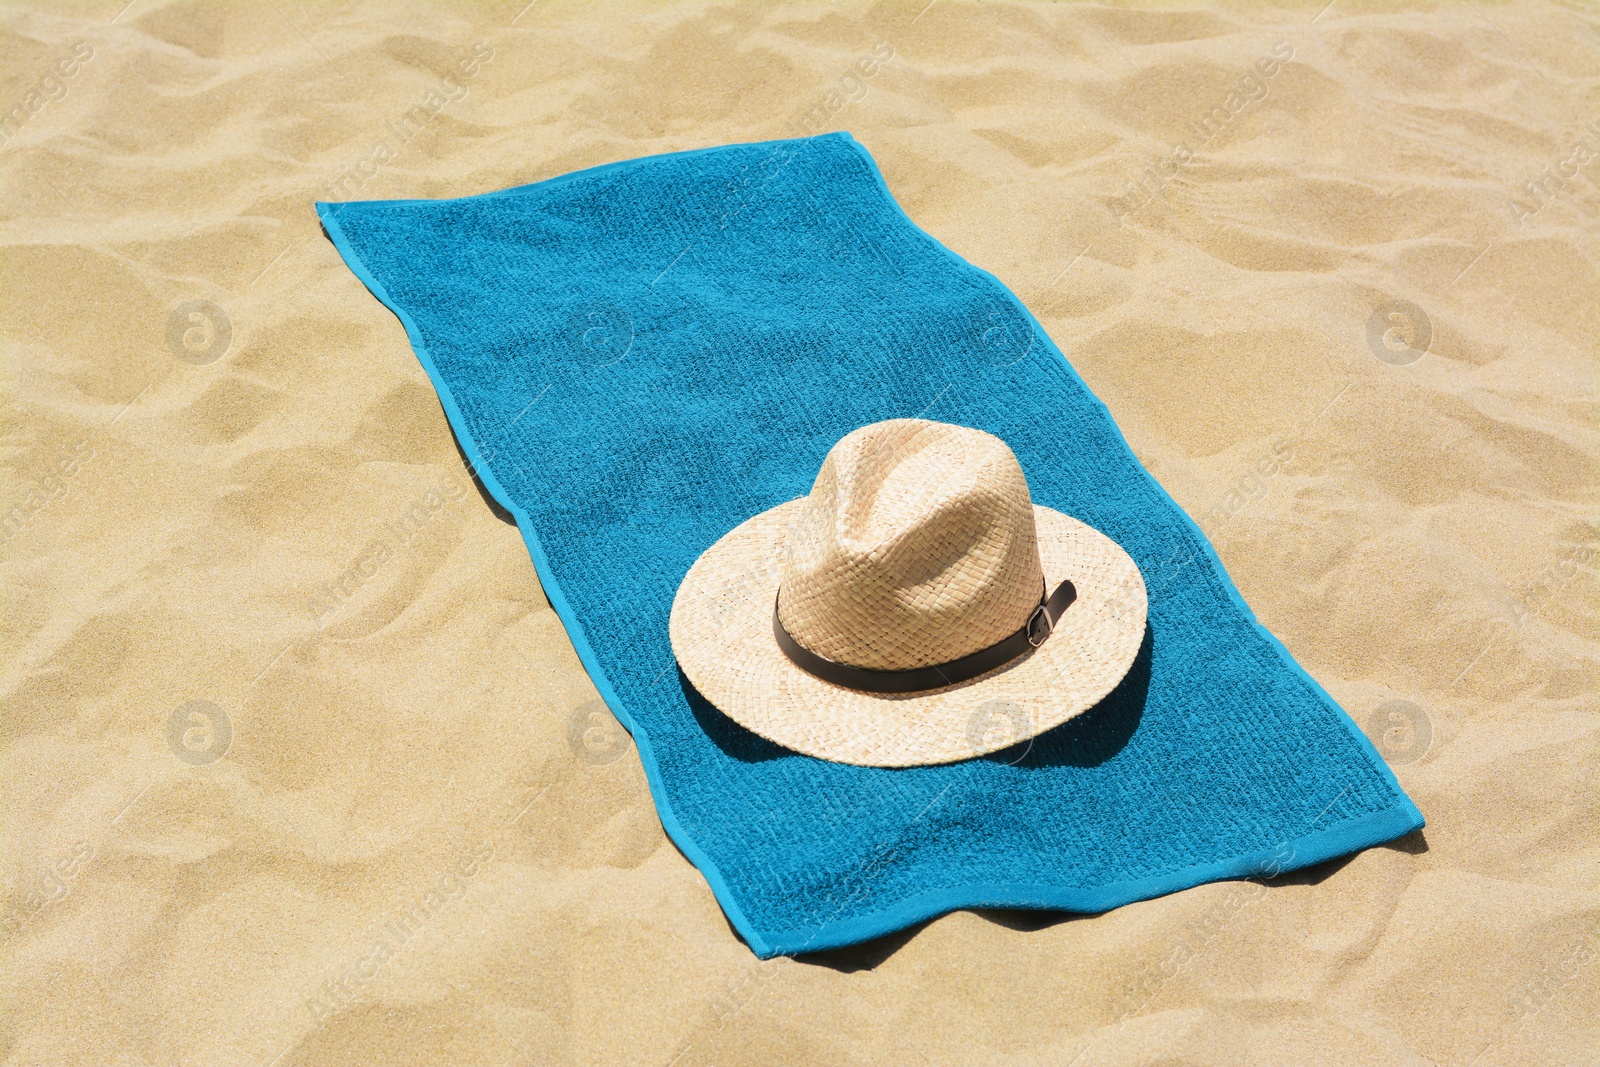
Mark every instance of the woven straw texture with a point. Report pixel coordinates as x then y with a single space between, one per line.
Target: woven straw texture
639 358
918 547
912 529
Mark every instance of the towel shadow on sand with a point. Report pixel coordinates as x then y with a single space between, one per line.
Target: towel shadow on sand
477 482
1086 740
869 954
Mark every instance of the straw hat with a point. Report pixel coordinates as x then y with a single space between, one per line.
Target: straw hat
916 608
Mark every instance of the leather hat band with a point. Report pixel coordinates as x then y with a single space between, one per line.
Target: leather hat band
1040 625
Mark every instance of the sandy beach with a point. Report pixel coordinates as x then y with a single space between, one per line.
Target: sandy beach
299 765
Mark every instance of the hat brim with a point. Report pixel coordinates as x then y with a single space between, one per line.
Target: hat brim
721 630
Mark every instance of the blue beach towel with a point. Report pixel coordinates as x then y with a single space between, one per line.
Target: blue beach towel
640 356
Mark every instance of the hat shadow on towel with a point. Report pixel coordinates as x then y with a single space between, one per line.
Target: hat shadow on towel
1085 740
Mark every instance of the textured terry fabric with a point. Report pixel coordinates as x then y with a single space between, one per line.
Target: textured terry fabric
643 355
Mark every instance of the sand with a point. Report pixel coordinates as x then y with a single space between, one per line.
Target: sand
300 767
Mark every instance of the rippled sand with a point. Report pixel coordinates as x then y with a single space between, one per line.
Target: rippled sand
299 766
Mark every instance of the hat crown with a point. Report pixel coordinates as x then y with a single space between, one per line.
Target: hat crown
915 547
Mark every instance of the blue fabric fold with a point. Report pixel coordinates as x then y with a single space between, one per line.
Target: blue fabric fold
639 357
